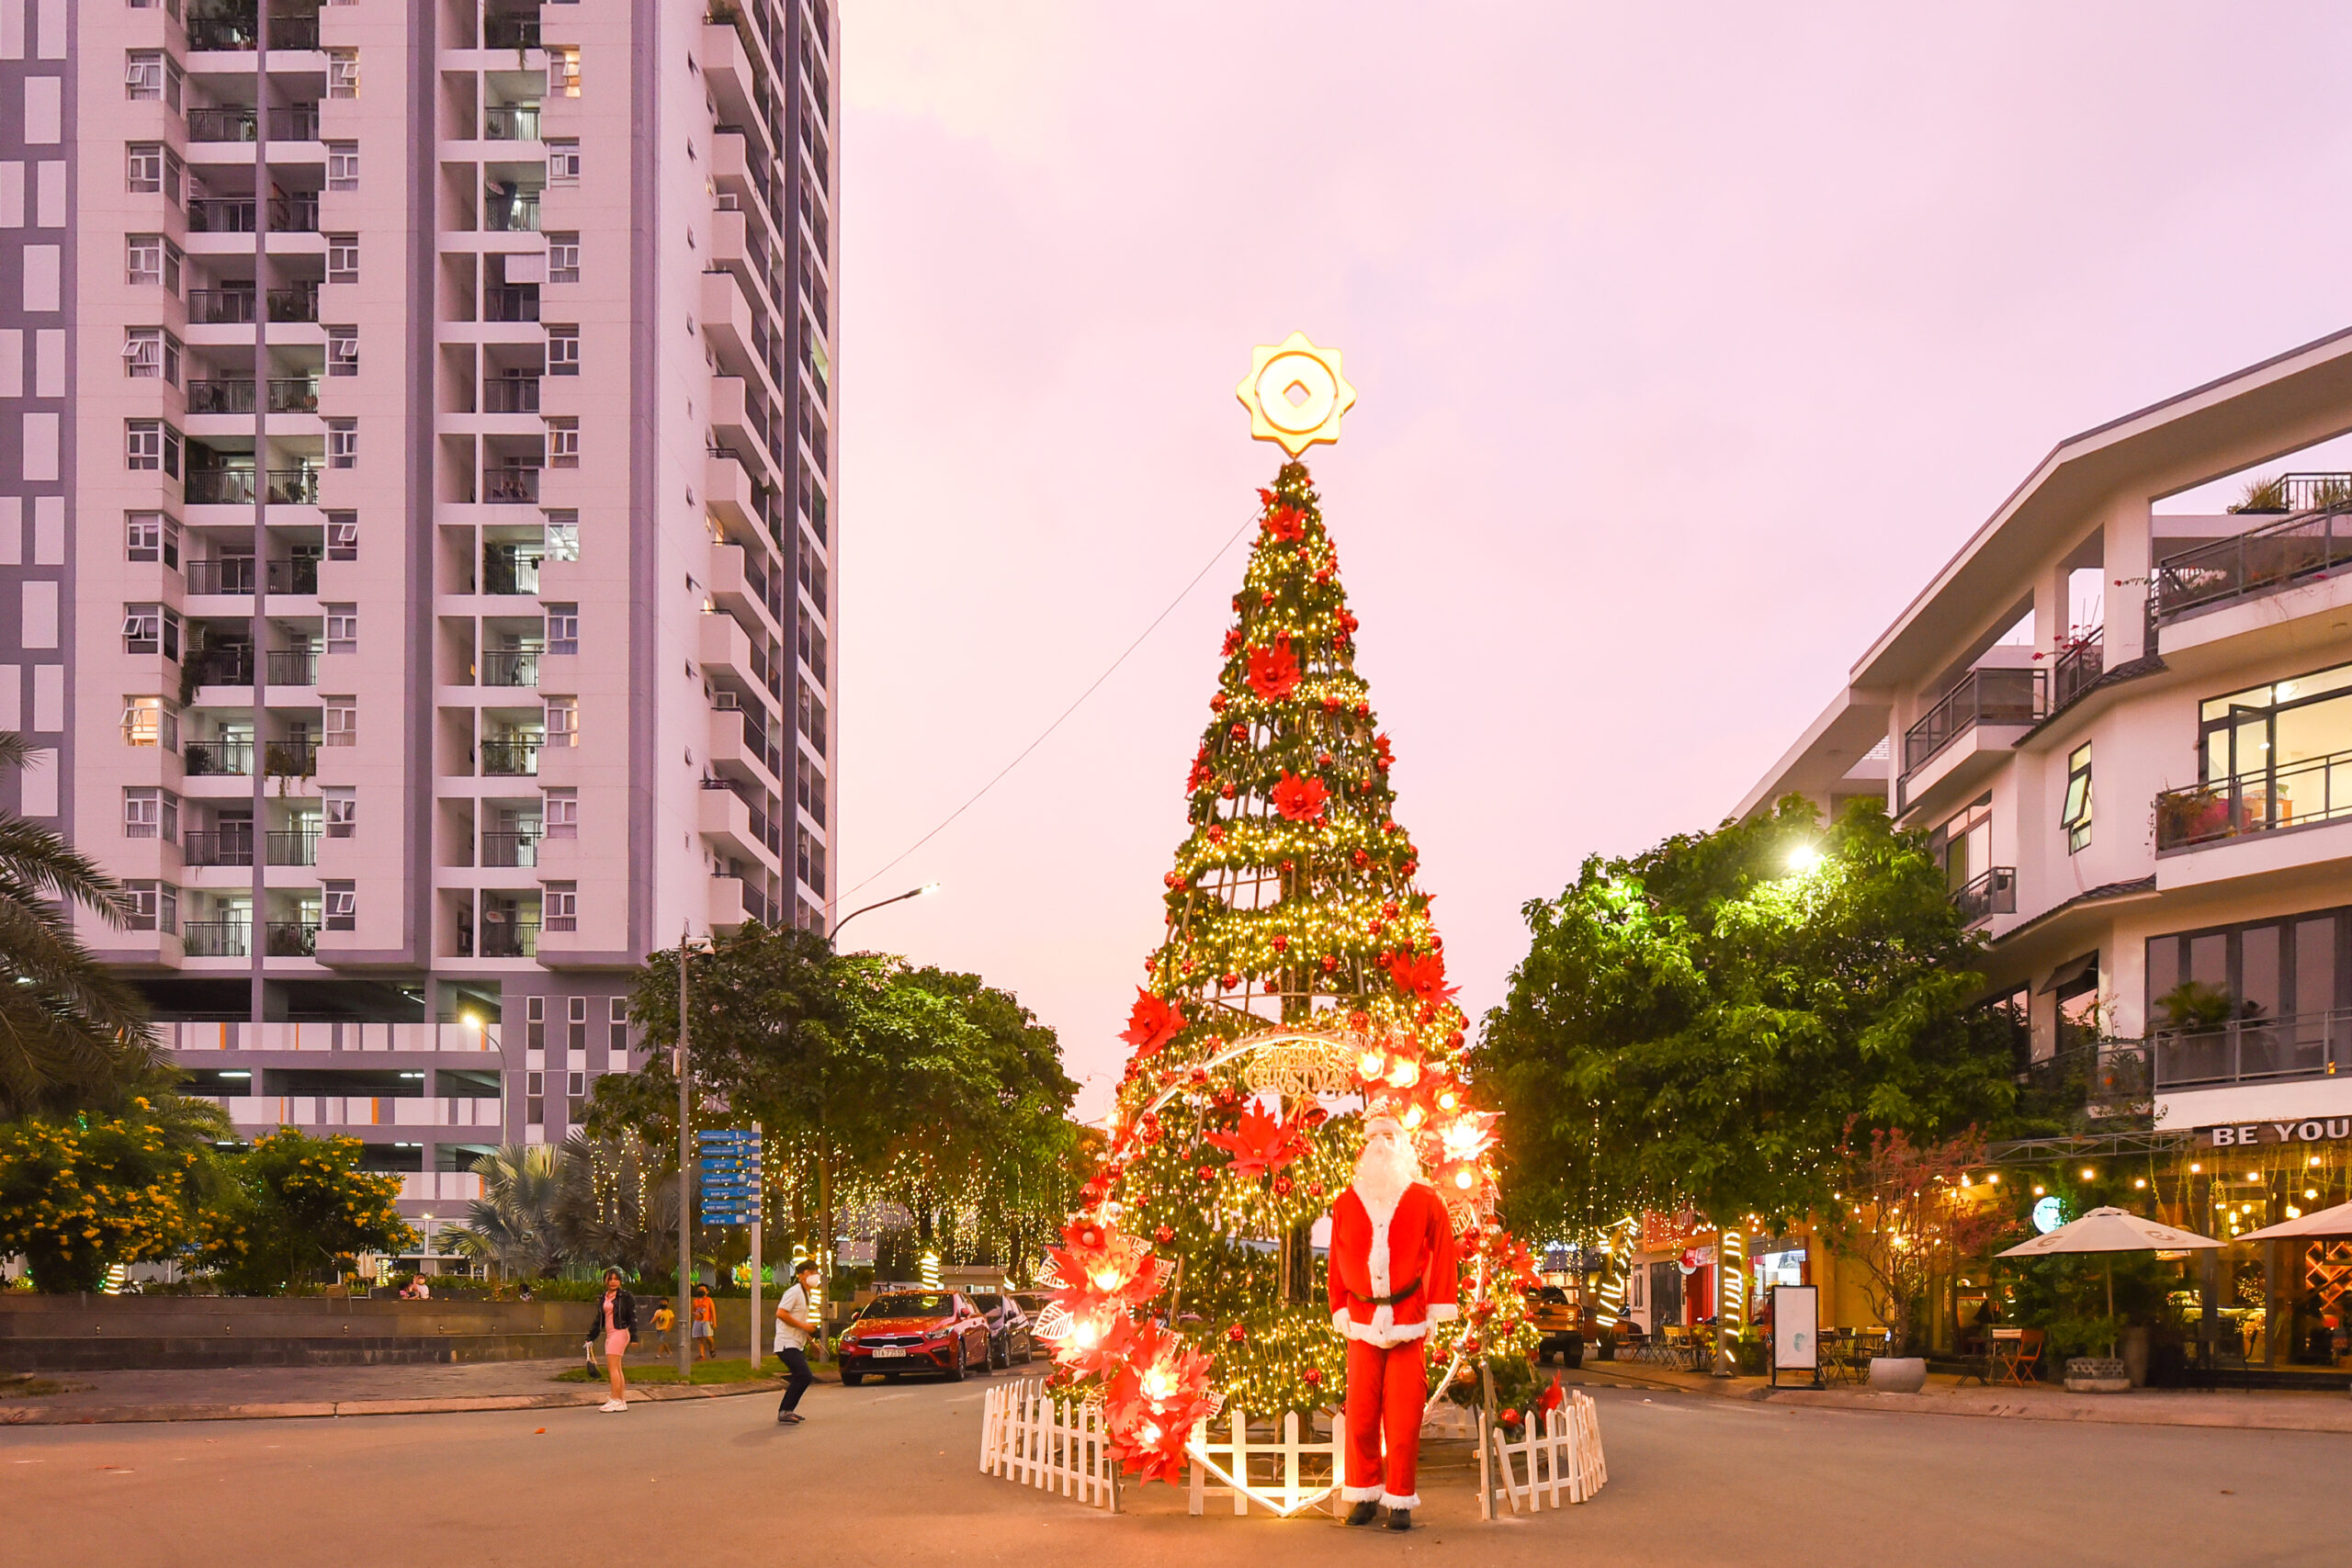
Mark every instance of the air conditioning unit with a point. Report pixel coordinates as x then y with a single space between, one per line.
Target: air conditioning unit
726 702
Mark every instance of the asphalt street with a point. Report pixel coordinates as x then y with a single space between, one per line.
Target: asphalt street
888 1476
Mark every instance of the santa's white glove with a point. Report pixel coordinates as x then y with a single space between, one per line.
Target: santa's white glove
1339 1322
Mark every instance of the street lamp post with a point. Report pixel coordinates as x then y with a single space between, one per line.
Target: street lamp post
685 1185
924 891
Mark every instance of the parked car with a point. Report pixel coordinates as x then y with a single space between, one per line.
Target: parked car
1558 1326
1009 1337
914 1331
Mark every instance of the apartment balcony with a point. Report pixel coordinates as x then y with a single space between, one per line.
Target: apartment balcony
373 1111
727 490
2261 561
510 486
727 819
289 760
217 846
512 214
298 847
514 848
2293 795
216 938
226 666
298 122
510 30
511 122
1995 893
727 321
508 938
726 647
299 304
510 302
2255 1050
290 939
502 666
237 214
218 487
510 759
222 307
236 575
1979 717
210 759
293 667
728 910
2105 1078
509 394
2078 667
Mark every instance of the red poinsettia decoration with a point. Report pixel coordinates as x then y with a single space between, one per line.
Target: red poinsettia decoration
1273 671
1553 1396
1382 757
1301 800
1421 975
1153 1022
1152 1401
1259 1142
1285 522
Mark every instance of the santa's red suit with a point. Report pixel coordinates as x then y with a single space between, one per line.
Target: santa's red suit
1392 1274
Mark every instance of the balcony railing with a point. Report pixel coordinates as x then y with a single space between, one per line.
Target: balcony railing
219 846
1982 696
510 849
297 574
509 939
508 31
293 486
506 568
511 394
511 302
295 848
2110 1078
290 759
511 122
1995 893
216 938
220 125
510 486
218 757
220 574
223 30
220 307
2293 795
218 487
2080 664
2260 560
2299 1045
293 394
232 666
299 303
293 667
510 759
221 215
511 215
297 122
505 668
290 939
221 397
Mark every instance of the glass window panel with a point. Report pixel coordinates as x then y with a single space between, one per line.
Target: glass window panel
2163 969
2208 960
2314 729
2315 964
2259 987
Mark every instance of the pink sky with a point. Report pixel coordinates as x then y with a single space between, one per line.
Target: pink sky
1689 341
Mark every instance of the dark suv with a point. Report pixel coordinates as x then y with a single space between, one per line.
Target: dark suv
1009 1336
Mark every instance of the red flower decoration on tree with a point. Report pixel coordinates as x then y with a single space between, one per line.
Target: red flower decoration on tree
1260 1144
1286 522
1301 800
1382 757
1152 1023
1273 671
1422 976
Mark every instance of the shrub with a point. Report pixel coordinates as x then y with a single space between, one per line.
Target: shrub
294 1208
77 1199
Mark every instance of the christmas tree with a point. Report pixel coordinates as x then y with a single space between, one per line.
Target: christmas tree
1302 981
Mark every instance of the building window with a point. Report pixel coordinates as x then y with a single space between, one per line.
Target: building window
576 1084
1963 846
150 261
150 168
151 537
563 161
343 350
342 536
147 721
617 1015
575 1035
342 258
563 628
150 77
563 258
341 906
343 628
150 628
342 444
2077 815
562 535
151 354
343 74
535 1030
563 351
154 906
562 721
561 913
559 814
343 166
342 719
150 446
566 62
151 814
563 444
342 811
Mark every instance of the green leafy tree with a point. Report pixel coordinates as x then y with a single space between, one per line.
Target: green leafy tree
617 1201
77 1198
1697 1026
293 1207
72 1036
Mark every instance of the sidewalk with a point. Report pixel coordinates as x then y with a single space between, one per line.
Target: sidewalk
2263 1409
233 1394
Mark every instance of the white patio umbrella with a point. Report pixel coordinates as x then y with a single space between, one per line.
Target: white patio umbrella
2112 1230
2335 1221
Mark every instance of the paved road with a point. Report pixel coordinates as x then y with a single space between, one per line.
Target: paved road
886 1476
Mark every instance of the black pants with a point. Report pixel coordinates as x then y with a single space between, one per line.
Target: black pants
796 1360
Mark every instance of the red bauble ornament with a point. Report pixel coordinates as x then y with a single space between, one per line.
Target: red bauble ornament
1206 1174
1163 1234
1229 980
1362 860
1240 732
1313 1376
1511 1417
1267 598
1281 944
1236 1334
1282 1186
1227 792
1217 703
1331 962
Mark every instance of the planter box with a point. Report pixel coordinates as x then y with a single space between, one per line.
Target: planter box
2097 1374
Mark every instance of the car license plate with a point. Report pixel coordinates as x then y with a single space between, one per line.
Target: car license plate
886 1351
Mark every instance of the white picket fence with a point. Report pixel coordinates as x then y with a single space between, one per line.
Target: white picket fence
1296 1472
1559 1455
1033 1439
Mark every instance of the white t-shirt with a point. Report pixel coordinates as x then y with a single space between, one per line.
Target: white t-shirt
795 1302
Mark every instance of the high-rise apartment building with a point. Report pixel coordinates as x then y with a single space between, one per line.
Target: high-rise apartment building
416 523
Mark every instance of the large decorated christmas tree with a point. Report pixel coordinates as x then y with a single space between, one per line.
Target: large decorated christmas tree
1301 982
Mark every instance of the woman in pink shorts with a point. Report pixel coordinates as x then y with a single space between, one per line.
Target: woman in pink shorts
615 1323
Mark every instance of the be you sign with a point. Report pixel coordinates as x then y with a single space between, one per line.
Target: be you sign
2248 1135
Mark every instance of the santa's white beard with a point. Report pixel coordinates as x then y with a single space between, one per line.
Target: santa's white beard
1383 1171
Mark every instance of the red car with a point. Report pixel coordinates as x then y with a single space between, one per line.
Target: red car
914 1331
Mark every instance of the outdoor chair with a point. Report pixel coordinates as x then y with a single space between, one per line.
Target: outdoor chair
2024 1359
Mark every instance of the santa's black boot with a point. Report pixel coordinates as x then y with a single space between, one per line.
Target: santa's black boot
1400 1519
1362 1513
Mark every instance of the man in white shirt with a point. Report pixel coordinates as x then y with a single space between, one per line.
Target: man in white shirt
795 1322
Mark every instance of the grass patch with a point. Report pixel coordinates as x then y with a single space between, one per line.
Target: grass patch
25 1385
652 1372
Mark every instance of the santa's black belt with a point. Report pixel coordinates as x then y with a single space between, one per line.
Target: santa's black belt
1386 1301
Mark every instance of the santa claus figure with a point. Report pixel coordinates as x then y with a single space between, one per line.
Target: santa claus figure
1393 1273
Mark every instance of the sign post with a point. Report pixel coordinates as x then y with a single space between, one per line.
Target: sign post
731 1196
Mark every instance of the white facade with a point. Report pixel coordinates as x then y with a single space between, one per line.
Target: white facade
449 564
2199 670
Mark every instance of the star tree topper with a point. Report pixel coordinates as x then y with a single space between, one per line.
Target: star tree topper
1295 393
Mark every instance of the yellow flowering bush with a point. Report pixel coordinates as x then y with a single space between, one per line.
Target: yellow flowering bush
77 1198
293 1209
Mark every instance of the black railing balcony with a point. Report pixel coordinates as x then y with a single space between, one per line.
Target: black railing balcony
2108 1078
223 666
2293 795
511 394
218 758
294 215
509 939
508 568
510 215
216 938
2298 1045
218 125
219 846
218 487
221 397
2079 664
293 667
290 939
290 759
510 759
295 848
506 30
220 574
293 486
294 30
299 303
510 487
220 307
221 30
511 302
510 849
511 122
297 122
221 215
292 394
2262 560
297 574
1982 696
1995 893
504 667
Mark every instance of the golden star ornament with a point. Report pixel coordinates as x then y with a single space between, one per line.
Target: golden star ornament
1295 393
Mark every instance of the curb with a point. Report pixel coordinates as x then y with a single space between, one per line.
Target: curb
588 1396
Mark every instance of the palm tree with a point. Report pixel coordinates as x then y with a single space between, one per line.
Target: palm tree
618 1206
513 1224
71 1033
